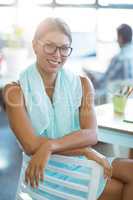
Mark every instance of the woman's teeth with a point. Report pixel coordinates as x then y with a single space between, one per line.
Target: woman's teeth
54 62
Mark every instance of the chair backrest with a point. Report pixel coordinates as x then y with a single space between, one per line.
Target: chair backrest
90 190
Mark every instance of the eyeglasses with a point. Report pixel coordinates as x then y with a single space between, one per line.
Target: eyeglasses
51 48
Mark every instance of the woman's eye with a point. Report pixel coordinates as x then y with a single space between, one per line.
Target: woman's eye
64 48
50 45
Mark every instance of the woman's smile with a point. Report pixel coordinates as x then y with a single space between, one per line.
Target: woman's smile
54 62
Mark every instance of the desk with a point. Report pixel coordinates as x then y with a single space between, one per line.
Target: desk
112 129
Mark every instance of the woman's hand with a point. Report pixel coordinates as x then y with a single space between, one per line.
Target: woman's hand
35 170
91 154
107 168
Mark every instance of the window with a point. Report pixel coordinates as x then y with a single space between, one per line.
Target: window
7 2
8 21
93 24
115 2
76 2
38 2
79 20
109 19
107 22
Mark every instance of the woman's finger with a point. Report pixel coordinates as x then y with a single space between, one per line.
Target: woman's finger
41 173
107 173
32 176
37 176
27 175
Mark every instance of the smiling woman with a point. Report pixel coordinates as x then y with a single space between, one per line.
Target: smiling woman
54 47
61 120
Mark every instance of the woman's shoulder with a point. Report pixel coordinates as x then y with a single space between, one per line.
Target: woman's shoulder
86 84
12 92
13 86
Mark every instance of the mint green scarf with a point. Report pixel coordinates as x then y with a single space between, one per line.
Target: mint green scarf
59 117
56 119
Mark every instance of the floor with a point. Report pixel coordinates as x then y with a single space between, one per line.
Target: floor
10 160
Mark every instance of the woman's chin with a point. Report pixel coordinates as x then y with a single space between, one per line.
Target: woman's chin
52 69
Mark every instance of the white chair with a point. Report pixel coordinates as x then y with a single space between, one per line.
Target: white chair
26 193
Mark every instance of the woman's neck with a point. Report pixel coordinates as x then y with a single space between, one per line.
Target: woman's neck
48 78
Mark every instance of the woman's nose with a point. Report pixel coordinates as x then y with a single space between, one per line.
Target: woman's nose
57 52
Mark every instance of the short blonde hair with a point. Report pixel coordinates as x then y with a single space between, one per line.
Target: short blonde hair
52 24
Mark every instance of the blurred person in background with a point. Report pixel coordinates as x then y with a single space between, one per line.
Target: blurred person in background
121 65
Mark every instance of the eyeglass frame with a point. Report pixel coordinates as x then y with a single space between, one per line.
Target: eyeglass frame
56 47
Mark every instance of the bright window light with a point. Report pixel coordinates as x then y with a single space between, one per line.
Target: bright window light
8 21
107 31
7 2
86 18
42 2
75 1
106 2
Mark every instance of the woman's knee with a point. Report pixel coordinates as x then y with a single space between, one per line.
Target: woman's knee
114 187
112 191
123 170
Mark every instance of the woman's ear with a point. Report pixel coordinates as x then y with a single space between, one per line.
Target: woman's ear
34 46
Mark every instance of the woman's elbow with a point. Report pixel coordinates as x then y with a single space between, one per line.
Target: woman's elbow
92 137
95 140
95 137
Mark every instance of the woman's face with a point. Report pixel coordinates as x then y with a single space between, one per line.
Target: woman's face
52 50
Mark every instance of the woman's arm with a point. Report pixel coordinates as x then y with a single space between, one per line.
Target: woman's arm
72 144
19 121
24 132
87 135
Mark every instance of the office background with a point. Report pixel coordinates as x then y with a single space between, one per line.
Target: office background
93 24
